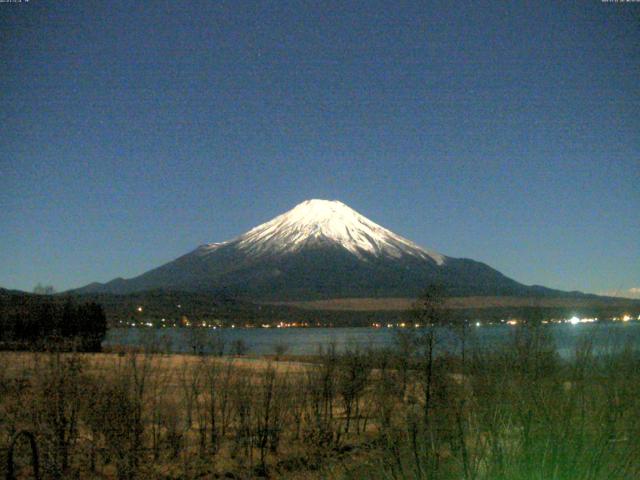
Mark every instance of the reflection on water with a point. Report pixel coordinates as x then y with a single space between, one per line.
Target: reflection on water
304 341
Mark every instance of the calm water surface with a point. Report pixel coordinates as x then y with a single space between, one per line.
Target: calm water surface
303 341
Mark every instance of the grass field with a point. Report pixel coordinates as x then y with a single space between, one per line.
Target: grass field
404 304
517 413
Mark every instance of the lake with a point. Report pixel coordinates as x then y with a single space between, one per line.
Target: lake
304 341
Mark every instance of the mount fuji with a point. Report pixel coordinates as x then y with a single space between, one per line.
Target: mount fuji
320 249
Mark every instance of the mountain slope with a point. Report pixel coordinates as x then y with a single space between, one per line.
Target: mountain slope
320 249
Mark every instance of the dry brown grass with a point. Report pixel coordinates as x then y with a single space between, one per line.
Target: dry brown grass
517 413
263 415
403 304
15 362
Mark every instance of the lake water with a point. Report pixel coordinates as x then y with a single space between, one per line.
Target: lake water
304 341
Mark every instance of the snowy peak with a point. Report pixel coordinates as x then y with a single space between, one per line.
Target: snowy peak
321 221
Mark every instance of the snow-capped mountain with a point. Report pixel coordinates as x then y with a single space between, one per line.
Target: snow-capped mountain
315 222
319 249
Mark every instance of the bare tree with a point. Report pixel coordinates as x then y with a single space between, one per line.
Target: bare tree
429 313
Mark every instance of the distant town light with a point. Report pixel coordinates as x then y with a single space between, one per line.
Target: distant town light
139 309
574 320
478 324
626 318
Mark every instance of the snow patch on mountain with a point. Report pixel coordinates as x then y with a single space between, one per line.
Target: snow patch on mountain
320 221
210 247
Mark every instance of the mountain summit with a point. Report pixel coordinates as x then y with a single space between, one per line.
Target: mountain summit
319 249
314 223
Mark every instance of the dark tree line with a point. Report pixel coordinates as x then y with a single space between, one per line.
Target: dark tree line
28 323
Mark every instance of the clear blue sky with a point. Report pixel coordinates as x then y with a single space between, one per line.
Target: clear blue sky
506 132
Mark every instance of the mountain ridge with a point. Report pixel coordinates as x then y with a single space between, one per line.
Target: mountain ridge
320 249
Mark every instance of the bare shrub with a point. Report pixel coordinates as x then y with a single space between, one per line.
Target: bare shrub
239 347
280 349
58 396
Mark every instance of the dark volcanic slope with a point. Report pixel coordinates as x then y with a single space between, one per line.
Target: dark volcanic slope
313 273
